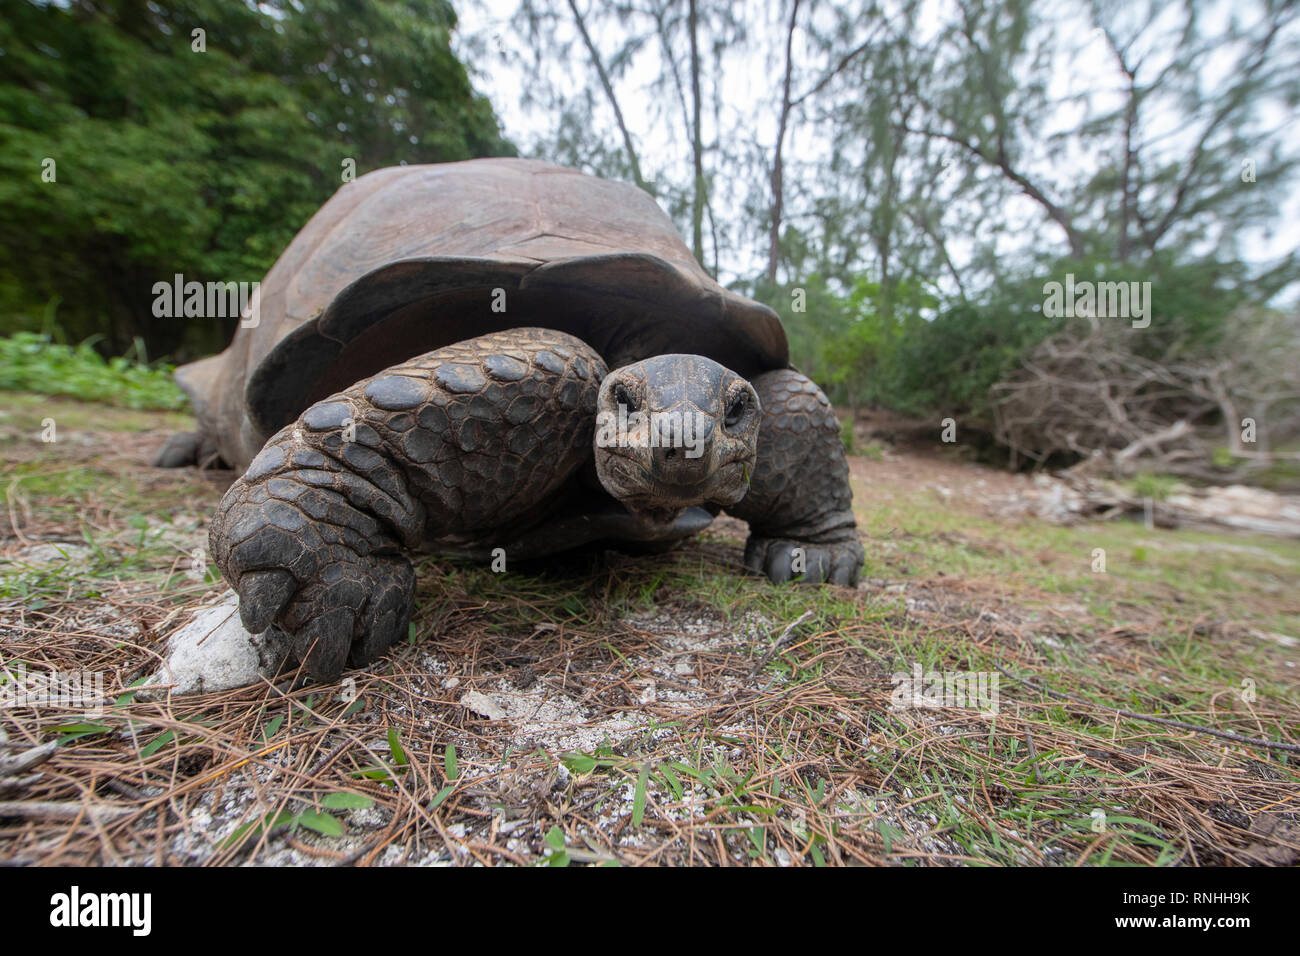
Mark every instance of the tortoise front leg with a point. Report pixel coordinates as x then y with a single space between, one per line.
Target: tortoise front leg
463 439
799 506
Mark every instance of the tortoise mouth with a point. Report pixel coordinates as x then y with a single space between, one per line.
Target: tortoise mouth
675 489
660 515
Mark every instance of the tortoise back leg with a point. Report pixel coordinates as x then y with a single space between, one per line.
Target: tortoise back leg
799 506
463 439
184 449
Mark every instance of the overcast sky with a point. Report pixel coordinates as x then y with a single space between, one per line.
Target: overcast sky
751 92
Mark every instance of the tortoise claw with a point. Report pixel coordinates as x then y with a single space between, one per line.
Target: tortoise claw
262 595
322 644
355 609
302 557
786 559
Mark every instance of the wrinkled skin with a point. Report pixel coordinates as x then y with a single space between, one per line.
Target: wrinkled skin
486 440
692 435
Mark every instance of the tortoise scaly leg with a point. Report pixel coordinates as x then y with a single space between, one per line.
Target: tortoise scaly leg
799 506
463 439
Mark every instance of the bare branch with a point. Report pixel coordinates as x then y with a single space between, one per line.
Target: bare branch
778 187
608 87
1232 102
697 141
839 67
1000 160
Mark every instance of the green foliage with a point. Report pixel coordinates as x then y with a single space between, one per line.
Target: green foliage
556 854
864 353
872 452
946 365
34 363
1155 487
812 312
325 824
169 159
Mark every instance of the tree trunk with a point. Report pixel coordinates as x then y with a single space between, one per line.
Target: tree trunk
697 203
778 173
608 87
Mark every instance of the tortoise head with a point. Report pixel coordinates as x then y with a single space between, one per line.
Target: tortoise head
674 431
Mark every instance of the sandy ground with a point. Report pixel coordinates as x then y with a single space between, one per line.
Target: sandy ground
608 709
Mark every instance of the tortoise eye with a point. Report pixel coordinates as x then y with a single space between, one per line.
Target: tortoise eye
623 397
736 410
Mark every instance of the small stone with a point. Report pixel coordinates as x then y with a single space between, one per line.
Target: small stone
483 705
213 652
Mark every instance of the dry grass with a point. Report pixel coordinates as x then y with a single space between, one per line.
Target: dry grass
611 709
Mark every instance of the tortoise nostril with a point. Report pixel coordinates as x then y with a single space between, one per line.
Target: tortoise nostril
670 453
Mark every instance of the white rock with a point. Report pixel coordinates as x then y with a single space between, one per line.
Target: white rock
214 652
483 705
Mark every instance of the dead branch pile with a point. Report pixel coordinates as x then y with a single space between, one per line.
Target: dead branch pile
1090 393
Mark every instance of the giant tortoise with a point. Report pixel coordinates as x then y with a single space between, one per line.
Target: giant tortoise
498 354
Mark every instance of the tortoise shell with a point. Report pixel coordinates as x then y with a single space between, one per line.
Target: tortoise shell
409 259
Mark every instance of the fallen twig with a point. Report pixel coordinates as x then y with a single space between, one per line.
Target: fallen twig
35 756
779 643
46 810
